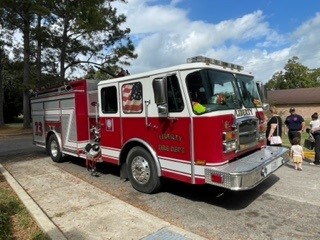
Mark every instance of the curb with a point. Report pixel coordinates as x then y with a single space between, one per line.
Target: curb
38 215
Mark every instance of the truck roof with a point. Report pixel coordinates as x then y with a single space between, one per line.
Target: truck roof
186 66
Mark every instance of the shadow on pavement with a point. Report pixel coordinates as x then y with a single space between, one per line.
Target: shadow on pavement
224 198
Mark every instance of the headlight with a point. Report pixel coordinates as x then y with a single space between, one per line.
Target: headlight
229 146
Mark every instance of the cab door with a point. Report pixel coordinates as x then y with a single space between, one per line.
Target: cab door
173 134
110 123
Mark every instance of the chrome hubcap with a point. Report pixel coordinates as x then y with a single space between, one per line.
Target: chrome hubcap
140 170
54 148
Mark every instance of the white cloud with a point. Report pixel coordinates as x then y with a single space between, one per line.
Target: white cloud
307 46
175 2
164 36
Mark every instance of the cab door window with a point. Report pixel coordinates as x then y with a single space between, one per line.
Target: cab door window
132 97
109 101
175 101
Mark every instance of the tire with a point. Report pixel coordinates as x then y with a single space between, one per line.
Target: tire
142 171
53 149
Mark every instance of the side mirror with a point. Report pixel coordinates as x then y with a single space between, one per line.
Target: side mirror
262 91
265 106
263 95
161 94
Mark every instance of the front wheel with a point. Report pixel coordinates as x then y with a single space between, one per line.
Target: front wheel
54 149
142 171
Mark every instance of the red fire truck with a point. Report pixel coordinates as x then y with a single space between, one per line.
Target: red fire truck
202 122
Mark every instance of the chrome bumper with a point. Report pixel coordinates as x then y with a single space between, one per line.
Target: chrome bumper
249 171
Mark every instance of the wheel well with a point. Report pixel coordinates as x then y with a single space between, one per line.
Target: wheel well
47 141
129 146
48 137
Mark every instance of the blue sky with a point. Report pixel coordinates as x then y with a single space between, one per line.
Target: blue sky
260 35
283 15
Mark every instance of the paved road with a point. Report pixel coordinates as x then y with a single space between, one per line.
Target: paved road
285 206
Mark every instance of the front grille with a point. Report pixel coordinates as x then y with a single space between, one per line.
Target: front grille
247 132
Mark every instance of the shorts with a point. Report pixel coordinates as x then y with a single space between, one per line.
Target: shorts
297 159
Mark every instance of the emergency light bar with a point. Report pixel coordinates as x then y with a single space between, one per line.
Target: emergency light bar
215 62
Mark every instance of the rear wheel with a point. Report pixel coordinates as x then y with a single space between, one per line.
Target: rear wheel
54 149
142 171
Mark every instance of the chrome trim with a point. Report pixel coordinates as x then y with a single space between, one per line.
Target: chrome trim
248 132
249 171
244 146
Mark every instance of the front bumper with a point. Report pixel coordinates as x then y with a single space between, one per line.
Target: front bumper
249 171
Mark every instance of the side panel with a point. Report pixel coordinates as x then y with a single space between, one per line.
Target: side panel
57 115
68 126
37 112
82 129
66 111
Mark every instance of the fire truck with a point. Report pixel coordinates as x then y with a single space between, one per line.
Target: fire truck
201 122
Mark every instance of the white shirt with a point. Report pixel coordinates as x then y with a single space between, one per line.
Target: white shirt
297 150
315 123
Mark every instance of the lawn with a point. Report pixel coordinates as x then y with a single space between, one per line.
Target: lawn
15 220
13 129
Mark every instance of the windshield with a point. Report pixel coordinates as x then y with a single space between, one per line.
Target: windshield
212 90
249 91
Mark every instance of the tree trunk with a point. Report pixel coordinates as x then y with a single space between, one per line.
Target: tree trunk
39 65
63 49
1 87
26 75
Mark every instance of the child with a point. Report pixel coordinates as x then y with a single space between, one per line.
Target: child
296 152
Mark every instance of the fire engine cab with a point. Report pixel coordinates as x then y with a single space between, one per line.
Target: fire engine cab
201 122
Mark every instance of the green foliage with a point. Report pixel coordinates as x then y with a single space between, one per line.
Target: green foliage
12 106
87 33
12 88
68 35
59 37
295 75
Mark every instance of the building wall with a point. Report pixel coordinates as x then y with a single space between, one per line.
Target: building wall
304 110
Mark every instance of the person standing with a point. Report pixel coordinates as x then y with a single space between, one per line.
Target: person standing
274 126
315 121
295 125
297 154
315 131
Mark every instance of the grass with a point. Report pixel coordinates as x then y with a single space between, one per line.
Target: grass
15 220
13 129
